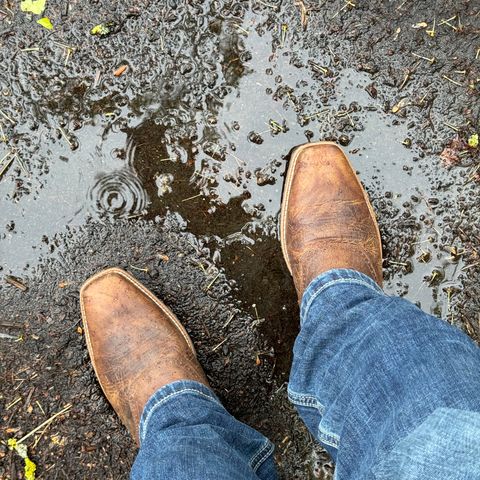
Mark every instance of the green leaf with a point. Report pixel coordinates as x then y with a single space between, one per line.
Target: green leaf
45 22
33 6
473 140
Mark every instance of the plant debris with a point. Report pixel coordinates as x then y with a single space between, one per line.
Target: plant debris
16 283
404 102
120 70
473 140
21 450
46 23
450 155
420 25
33 6
103 29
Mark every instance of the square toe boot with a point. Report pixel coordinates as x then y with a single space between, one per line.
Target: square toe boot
327 221
136 343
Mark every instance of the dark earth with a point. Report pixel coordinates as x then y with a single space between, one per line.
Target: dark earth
173 170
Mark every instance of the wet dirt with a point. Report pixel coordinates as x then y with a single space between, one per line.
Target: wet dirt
184 156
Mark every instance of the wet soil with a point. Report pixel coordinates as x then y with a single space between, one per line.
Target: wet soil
174 171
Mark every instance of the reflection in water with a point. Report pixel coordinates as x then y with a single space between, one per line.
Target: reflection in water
119 193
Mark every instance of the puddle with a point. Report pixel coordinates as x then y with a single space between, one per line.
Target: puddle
225 180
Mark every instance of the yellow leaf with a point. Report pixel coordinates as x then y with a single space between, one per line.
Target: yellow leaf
21 449
12 443
30 468
45 22
101 30
33 6
473 140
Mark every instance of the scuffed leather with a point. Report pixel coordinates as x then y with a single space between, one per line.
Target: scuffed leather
329 222
134 343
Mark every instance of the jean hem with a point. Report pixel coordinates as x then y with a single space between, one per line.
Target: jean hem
169 392
262 454
305 401
330 278
308 401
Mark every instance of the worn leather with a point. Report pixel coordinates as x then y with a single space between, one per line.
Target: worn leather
327 220
135 342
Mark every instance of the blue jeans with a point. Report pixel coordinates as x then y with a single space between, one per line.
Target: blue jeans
391 392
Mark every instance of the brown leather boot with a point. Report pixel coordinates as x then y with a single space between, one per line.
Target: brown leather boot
136 343
327 221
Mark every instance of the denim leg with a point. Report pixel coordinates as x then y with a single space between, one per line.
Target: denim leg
391 392
186 433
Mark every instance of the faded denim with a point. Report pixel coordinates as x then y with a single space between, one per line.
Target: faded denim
391 392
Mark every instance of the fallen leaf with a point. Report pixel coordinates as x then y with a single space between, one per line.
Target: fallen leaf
103 29
404 102
420 25
120 70
458 144
45 22
473 140
33 6
449 157
57 440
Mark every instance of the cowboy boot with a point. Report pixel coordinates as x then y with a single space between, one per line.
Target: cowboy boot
327 221
136 343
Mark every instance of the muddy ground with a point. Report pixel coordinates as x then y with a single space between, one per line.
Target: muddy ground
174 171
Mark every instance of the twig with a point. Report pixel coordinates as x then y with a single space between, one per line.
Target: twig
191 198
10 405
452 81
40 407
432 31
453 127
3 137
22 165
16 283
46 422
4 115
212 282
243 30
214 349
62 131
431 60
447 22
268 4
4 166
227 323
347 4
139 268
238 160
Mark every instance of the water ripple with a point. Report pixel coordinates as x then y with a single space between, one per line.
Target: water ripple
119 194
